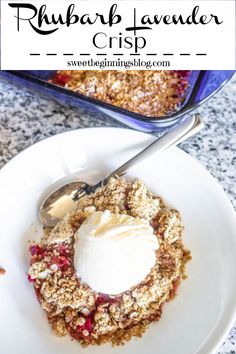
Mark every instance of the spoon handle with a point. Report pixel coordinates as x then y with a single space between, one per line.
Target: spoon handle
173 137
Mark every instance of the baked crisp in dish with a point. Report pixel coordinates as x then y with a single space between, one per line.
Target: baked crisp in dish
152 93
89 316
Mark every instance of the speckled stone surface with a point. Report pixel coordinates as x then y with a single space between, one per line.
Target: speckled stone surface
26 118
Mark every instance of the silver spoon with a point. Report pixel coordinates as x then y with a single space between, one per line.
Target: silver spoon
64 199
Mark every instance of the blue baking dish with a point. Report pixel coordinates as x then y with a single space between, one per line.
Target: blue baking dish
202 85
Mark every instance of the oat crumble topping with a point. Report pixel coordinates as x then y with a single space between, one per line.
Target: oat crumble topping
150 93
94 318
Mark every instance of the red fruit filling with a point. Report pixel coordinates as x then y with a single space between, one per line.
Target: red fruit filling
61 261
102 299
88 326
31 280
63 250
61 79
36 250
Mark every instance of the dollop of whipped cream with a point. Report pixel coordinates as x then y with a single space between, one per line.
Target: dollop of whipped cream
114 252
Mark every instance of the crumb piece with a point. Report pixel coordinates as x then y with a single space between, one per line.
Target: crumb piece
170 226
39 270
59 327
62 232
141 202
64 292
111 197
2 271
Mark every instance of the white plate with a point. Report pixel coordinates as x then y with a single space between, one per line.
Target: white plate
197 320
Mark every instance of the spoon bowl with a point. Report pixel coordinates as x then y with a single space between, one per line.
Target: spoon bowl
62 200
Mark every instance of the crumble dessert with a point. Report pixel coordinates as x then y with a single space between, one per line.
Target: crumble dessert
90 316
150 93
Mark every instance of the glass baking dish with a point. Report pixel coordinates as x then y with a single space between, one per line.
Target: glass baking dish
202 85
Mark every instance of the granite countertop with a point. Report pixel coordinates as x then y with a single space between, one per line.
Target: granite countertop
26 118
